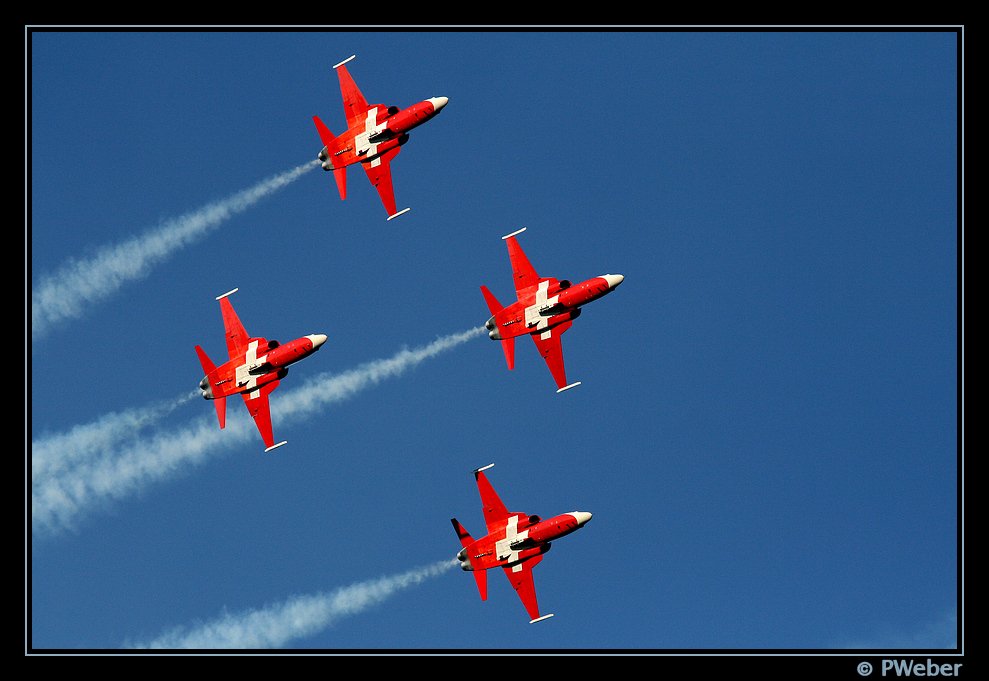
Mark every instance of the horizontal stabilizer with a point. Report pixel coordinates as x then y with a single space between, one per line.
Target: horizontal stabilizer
508 345
353 56
481 578
518 231
324 133
340 175
404 210
275 446
329 141
484 468
205 361
540 619
493 305
228 293
462 534
567 387
219 403
221 410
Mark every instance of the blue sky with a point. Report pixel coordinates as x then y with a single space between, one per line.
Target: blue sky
766 432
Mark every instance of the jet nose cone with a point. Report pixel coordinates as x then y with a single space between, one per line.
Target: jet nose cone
613 280
438 103
317 340
582 517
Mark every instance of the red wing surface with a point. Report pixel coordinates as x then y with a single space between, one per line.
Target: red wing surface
354 104
379 172
551 350
521 578
495 512
523 272
257 405
236 335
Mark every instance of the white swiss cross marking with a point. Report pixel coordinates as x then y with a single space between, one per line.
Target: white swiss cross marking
534 320
362 146
502 549
244 378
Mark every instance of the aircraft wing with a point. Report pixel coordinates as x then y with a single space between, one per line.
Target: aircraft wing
379 172
257 406
549 346
520 575
523 273
236 335
494 510
354 104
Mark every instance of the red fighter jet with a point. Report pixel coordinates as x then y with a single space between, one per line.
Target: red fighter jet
515 542
545 308
256 366
373 137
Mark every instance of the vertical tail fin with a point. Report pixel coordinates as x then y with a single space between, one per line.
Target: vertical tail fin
480 576
219 402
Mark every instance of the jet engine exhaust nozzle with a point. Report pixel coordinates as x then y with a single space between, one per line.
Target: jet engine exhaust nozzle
493 332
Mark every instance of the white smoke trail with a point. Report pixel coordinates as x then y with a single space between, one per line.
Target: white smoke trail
52 453
274 625
65 294
58 498
62 493
327 388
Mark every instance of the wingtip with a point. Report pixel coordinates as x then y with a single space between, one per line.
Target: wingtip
276 446
518 231
232 291
540 619
353 56
401 212
483 468
567 387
